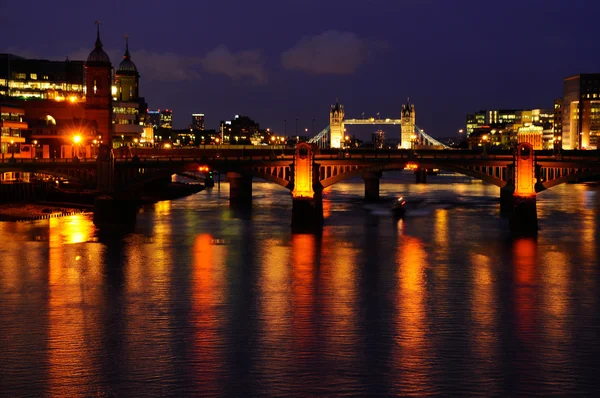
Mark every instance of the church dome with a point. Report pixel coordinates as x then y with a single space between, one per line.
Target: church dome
127 66
98 56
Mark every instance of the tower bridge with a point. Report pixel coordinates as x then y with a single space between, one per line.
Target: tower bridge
411 136
306 171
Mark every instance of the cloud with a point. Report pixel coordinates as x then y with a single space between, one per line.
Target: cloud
172 67
331 52
248 63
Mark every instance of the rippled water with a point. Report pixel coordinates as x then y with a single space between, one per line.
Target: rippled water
203 301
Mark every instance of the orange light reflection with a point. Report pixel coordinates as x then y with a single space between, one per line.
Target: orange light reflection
411 324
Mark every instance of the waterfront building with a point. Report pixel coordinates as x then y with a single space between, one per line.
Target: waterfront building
557 126
475 121
581 111
42 79
407 123
11 129
198 121
241 130
532 135
128 125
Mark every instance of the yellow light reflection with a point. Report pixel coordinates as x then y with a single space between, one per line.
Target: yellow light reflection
484 313
74 302
208 297
412 336
340 275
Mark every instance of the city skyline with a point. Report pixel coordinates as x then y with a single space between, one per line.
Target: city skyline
288 69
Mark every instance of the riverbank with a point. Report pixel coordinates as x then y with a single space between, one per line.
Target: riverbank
39 211
61 202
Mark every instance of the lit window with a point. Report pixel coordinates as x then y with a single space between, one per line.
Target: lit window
33 76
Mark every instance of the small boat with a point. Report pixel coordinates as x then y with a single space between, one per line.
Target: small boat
399 207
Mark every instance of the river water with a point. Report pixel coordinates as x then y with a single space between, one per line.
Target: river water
202 301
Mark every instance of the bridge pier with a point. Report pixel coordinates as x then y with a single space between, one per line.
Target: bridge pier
372 185
421 175
307 213
114 214
523 220
240 188
506 199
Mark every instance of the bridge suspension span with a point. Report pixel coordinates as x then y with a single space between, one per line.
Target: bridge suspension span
411 136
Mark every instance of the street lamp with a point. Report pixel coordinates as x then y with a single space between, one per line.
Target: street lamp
76 141
12 148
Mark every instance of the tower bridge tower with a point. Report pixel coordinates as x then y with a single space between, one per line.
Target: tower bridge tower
407 124
336 125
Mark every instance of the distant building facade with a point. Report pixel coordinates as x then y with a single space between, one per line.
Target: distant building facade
42 79
198 121
581 111
241 130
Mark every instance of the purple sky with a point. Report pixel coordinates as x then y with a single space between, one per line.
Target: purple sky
288 59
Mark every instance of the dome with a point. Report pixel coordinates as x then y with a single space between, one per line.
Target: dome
127 66
98 56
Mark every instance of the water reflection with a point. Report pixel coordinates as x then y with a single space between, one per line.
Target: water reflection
196 302
74 306
208 296
410 354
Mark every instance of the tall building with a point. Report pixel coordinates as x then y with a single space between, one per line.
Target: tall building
166 119
11 126
407 123
126 101
240 131
42 79
475 121
198 121
557 126
336 125
98 82
581 111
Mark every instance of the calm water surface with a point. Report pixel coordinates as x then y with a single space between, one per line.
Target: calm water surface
203 301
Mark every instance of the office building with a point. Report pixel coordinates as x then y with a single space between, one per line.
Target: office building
198 121
241 130
581 111
11 127
38 78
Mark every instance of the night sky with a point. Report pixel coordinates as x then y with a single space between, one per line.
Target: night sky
288 59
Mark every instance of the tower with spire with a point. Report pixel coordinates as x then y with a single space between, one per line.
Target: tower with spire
130 109
407 123
336 125
98 83
127 78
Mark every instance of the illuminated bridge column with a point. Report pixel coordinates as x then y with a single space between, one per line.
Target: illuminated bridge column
307 200
240 188
372 185
523 220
